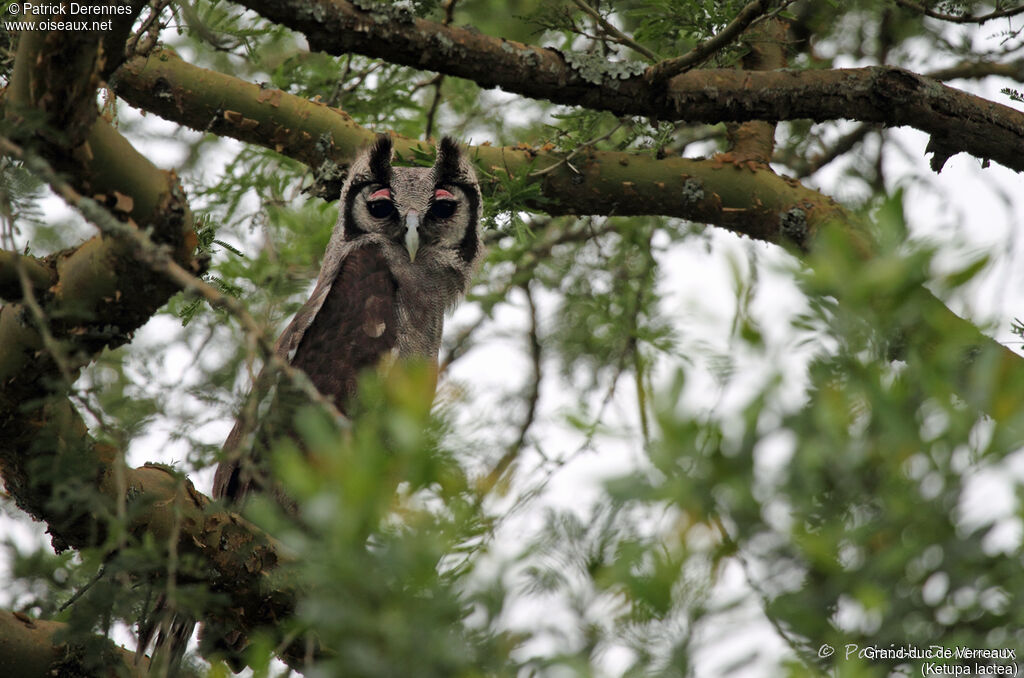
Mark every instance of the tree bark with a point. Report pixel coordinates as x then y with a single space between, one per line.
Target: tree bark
28 649
957 121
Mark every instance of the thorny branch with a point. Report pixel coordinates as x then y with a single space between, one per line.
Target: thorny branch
753 11
805 167
955 120
579 149
532 395
961 18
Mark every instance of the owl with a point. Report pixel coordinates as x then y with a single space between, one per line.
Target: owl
400 257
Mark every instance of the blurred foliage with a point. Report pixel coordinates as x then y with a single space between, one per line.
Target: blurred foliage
853 504
387 531
848 510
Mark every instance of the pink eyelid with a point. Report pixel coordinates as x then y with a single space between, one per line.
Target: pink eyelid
441 194
382 193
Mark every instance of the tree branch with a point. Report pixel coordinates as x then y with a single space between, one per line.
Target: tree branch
30 650
958 18
160 260
805 167
56 74
531 396
980 69
41 273
164 506
746 199
755 140
101 294
957 121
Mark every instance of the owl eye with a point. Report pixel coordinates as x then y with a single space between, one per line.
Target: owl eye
380 209
442 209
444 204
379 204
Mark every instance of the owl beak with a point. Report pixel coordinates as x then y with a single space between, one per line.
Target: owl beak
412 234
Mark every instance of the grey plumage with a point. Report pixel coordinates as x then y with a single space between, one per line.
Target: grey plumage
401 256
397 301
434 282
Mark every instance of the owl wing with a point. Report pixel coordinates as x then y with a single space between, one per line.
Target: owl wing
346 326
356 325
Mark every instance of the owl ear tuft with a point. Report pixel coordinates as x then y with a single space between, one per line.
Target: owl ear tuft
380 159
449 166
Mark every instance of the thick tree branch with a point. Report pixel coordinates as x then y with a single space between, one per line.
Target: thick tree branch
31 651
957 121
742 197
755 140
99 295
102 292
160 259
56 74
163 506
41 272
172 514
88 299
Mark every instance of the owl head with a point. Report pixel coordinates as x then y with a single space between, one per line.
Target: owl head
422 223
431 212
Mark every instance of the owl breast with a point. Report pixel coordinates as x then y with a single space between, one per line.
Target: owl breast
357 324
425 292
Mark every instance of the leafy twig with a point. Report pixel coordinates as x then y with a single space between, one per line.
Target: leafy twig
668 68
613 32
585 145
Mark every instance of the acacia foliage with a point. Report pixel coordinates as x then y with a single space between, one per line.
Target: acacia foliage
831 468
